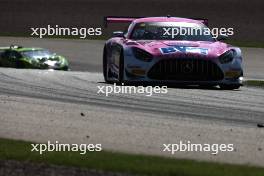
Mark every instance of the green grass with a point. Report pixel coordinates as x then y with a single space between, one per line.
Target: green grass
254 83
124 163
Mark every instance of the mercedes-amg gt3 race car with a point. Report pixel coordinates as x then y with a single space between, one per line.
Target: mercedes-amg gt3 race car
34 58
149 52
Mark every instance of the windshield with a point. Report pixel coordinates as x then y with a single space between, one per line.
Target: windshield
171 31
37 54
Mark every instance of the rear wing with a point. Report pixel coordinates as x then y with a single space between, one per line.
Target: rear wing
123 19
203 20
118 19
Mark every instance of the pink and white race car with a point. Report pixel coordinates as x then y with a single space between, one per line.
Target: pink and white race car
155 50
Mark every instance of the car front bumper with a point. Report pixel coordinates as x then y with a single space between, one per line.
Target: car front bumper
136 70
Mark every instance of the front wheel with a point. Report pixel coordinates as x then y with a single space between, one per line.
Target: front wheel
207 86
20 64
65 68
229 87
105 66
121 68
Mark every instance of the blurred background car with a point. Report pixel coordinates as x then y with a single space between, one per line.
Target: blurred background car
33 58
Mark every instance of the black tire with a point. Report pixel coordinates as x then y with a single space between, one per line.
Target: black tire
121 68
105 65
229 87
207 86
20 64
66 68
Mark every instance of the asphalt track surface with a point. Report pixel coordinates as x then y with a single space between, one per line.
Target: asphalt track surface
41 105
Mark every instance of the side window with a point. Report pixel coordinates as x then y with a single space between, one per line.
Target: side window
6 54
12 55
18 55
1 54
139 31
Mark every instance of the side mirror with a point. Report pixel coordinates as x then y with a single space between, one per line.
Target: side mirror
118 34
222 37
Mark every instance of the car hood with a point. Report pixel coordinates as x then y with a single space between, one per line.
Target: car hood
180 48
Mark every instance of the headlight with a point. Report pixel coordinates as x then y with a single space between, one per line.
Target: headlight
227 57
142 55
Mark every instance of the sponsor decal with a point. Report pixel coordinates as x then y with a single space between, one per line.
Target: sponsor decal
183 49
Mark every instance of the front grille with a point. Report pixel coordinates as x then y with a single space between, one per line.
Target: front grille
187 69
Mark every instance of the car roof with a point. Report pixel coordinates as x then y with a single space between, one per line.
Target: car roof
20 49
27 49
166 19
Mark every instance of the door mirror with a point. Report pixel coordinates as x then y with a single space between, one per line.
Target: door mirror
118 34
222 37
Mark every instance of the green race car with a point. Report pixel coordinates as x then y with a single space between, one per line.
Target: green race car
34 58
